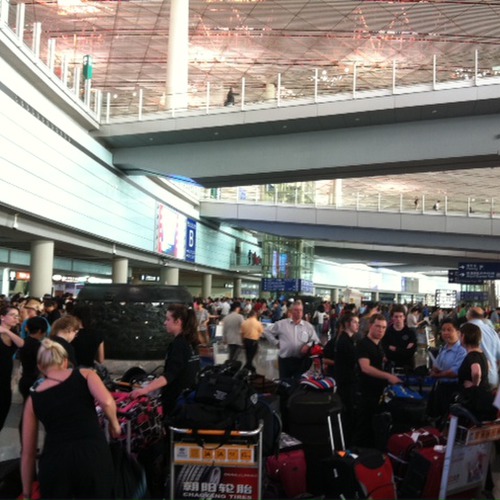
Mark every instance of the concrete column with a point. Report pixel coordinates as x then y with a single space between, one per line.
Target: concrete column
42 267
206 288
4 285
237 288
338 199
120 270
270 93
334 294
377 296
178 56
169 276
164 275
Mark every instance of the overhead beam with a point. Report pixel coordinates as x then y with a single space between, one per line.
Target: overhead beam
450 143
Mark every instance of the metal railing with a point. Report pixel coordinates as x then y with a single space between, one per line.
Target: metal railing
321 194
293 88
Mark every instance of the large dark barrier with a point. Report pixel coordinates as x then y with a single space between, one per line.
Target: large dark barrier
131 317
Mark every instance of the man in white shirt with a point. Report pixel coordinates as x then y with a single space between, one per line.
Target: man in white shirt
294 337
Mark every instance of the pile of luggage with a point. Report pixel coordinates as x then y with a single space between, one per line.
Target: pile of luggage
304 452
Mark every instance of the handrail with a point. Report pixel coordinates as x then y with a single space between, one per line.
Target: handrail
321 195
329 85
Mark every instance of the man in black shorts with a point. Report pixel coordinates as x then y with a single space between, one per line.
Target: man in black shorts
372 380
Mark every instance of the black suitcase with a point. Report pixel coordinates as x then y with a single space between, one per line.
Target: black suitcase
308 411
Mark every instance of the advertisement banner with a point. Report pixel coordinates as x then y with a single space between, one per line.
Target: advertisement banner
176 234
227 472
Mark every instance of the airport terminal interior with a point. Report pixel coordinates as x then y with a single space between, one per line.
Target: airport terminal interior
347 150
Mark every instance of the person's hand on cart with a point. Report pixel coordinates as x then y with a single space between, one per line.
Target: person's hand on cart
137 393
115 429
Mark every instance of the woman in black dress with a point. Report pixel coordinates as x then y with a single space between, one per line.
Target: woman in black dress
9 343
475 390
76 460
182 361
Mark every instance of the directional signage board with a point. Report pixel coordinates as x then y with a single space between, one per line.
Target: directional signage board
453 277
480 297
447 299
479 270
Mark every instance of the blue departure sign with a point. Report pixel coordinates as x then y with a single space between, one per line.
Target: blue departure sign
453 277
479 270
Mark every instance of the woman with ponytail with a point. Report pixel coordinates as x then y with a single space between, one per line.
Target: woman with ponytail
76 460
182 361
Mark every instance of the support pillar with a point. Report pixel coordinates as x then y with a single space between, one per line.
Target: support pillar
270 92
334 294
338 199
169 276
206 288
42 267
120 270
5 284
178 56
237 288
377 296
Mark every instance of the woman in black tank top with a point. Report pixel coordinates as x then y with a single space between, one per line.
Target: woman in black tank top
75 461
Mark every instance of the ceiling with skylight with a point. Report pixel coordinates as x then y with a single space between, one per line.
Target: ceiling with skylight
259 39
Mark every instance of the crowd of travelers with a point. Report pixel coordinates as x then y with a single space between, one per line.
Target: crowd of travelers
363 348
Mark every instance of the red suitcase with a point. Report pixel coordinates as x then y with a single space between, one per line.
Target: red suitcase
377 482
400 446
423 478
289 466
356 473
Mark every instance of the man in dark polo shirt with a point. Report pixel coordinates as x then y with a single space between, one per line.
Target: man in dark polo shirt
372 380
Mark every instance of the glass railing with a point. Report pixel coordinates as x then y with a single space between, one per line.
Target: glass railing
321 194
294 87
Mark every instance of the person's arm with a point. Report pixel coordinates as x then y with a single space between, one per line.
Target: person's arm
475 371
371 371
154 385
452 371
104 398
271 333
16 339
437 373
100 353
28 453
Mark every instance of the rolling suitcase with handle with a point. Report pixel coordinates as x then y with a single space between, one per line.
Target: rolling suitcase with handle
356 473
308 409
289 466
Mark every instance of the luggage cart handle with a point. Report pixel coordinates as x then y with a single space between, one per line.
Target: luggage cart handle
458 410
217 432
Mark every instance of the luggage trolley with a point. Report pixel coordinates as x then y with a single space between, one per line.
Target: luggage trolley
467 453
216 464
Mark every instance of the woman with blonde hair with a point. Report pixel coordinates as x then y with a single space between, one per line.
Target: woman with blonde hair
64 331
76 460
